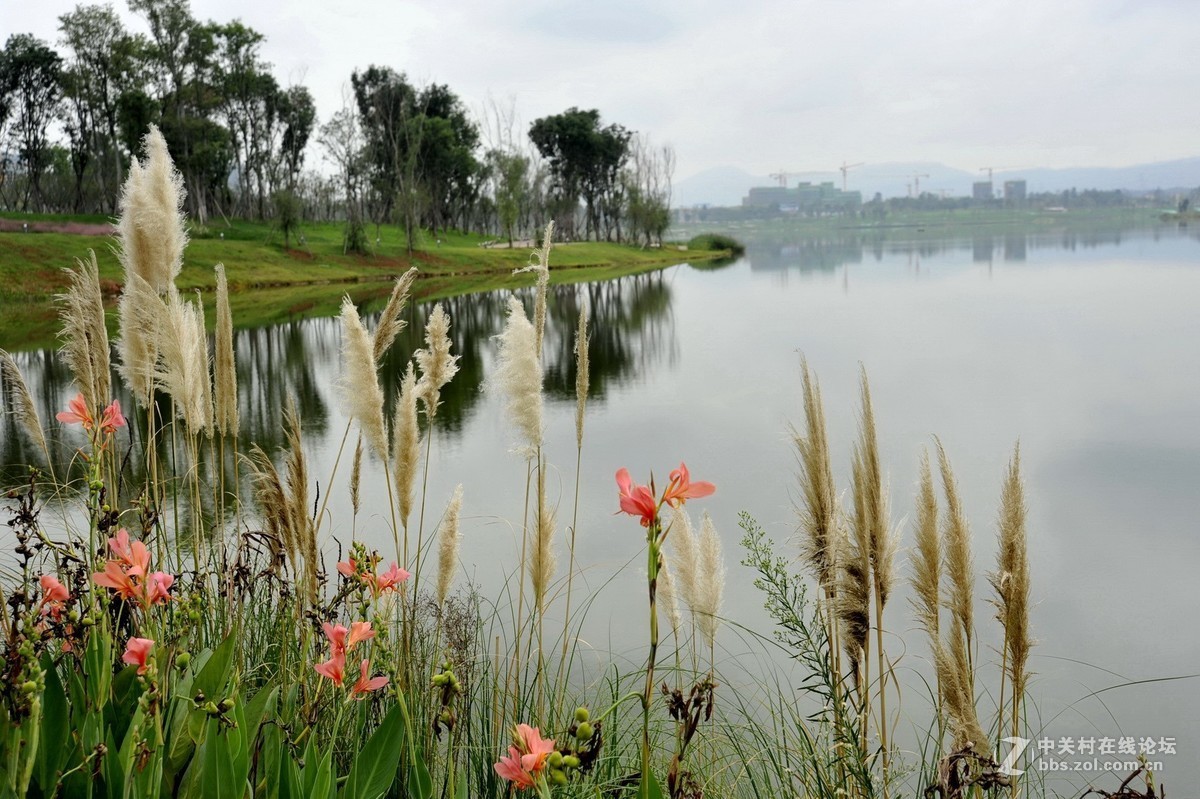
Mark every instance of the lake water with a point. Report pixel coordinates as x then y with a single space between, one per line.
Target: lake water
1085 348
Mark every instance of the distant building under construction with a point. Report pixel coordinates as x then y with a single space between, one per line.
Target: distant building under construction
1014 191
803 198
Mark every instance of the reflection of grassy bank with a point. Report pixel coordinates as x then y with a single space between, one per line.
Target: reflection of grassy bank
273 284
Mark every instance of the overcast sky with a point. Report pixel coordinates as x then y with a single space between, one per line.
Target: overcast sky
772 84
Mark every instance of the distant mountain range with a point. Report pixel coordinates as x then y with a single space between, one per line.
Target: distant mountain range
727 185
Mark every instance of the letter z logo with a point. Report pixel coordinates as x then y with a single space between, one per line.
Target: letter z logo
1007 767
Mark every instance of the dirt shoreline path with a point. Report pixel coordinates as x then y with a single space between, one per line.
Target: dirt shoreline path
46 226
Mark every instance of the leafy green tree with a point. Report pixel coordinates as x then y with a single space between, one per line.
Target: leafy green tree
298 114
585 161
30 77
510 188
102 63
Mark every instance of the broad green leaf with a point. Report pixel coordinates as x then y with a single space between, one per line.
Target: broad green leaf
210 680
56 731
114 774
97 665
374 768
125 693
213 676
420 784
219 779
654 791
318 771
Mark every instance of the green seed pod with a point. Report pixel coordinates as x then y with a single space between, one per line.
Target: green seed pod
439 680
182 660
558 777
29 686
211 708
226 705
570 761
73 616
555 760
584 731
581 714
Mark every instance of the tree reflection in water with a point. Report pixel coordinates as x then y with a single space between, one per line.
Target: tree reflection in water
631 328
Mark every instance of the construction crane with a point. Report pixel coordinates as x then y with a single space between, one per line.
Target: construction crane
917 182
782 176
991 169
844 168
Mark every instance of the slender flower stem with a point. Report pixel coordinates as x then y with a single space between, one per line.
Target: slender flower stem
652 559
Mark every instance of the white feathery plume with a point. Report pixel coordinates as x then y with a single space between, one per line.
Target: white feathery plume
518 375
151 226
448 538
360 382
436 363
711 587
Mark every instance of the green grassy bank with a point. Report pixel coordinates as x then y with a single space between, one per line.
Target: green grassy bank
271 283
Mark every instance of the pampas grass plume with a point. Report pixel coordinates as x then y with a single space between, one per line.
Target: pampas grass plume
668 593
151 226
685 548
182 370
711 587
436 363
142 316
818 513
541 268
448 539
518 376
360 383
20 402
390 323
544 558
85 337
926 576
581 374
406 443
1011 581
960 567
356 477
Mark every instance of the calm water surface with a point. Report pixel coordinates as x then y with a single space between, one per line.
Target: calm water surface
1084 349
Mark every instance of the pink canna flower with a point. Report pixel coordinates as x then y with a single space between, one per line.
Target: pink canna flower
53 590
536 748
526 760
156 587
77 413
114 577
136 652
336 633
366 685
347 568
509 768
334 668
359 631
636 500
54 594
132 554
111 418
682 488
390 579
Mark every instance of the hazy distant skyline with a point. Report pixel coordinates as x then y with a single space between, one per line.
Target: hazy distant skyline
769 85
